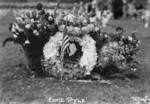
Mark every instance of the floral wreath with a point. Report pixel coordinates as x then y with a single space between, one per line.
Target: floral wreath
83 67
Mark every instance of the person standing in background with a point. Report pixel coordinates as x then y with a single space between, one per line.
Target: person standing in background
108 3
89 6
131 9
125 6
106 16
117 6
82 8
146 17
91 9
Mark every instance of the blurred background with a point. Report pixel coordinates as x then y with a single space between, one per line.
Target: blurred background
138 2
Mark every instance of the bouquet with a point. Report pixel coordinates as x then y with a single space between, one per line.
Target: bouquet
119 50
32 29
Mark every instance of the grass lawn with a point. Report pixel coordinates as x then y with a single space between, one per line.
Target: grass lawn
16 86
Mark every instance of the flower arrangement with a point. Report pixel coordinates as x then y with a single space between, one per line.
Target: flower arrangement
99 50
118 50
36 23
85 56
68 46
32 29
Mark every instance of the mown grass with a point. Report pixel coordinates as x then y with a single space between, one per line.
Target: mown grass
16 85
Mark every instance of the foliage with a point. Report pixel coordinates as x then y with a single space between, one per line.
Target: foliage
118 50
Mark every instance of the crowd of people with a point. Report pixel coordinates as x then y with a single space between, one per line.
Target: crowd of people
97 12
101 11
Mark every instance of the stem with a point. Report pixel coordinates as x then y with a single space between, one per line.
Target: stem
58 3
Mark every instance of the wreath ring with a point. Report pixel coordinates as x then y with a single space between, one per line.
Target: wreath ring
84 66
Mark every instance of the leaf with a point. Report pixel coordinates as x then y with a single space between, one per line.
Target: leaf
8 39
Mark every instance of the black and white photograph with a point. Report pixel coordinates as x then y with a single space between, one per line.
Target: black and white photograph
74 51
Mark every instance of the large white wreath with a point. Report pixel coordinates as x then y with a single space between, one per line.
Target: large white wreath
87 61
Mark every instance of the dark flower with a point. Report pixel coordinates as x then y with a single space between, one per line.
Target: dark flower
39 6
42 12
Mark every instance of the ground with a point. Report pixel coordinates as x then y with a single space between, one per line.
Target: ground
16 86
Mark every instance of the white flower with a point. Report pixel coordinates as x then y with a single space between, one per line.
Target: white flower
70 18
51 48
19 20
32 20
139 42
134 69
87 29
27 26
50 18
84 30
96 29
83 20
130 38
76 31
35 32
106 58
89 58
20 30
105 36
27 42
61 28
13 29
17 33
15 36
16 26
90 27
